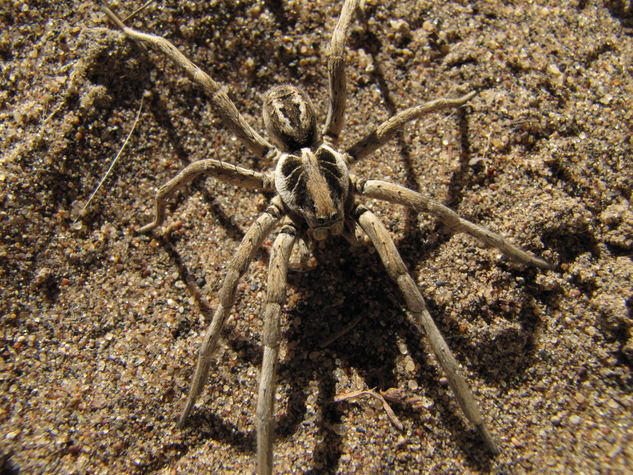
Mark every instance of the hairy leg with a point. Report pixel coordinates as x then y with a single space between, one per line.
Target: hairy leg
275 297
220 101
336 74
385 131
225 172
383 190
244 254
398 272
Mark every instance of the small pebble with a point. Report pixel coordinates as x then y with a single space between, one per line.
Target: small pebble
409 365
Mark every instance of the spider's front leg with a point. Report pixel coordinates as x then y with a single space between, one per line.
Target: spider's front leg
223 171
275 297
336 74
397 270
246 250
222 104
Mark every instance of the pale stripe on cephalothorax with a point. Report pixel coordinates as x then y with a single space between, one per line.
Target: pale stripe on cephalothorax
318 187
313 184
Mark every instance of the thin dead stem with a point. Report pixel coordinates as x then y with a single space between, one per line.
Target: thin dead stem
107 173
368 392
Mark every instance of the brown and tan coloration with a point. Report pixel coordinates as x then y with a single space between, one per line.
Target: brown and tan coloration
290 119
314 198
314 187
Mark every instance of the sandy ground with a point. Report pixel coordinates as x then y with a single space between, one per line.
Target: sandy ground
100 326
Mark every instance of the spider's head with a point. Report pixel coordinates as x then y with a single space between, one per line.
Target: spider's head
290 119
314 187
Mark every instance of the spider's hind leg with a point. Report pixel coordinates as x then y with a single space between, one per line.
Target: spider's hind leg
244 254
216 92
397 270
275 297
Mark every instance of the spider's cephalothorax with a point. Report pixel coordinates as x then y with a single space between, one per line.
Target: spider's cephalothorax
311 178
313 186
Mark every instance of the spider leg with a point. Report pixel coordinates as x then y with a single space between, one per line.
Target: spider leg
383 190
244 254
223 171
385 131
223 106
275 297
398 272
336 74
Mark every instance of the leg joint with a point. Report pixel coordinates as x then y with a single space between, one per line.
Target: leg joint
358 210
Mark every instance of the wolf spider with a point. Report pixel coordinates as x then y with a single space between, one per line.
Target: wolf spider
315 197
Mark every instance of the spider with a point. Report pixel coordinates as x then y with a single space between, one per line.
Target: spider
315 197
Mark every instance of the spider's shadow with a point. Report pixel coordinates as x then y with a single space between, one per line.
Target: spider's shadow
370 349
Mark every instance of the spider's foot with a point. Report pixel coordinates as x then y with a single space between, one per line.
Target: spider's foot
184 415
489 440
530 259
182 421
468 96
543 264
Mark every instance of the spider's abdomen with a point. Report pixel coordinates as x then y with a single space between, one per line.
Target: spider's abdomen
290 119
314 186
